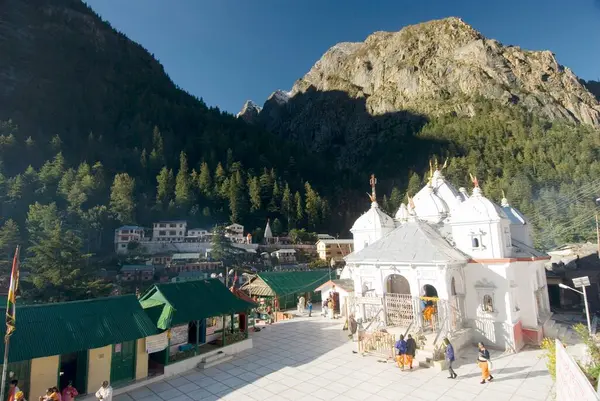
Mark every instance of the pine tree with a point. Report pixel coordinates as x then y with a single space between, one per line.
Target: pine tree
395 199
122 203
254 193
274 204
164 187
183 194
266 187
299 207
144 159
277 227
414 184
9 239
41 219
205 180
236 197
287 205
220 178
312 205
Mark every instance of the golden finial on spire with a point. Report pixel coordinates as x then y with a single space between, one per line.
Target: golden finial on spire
373 182
474 180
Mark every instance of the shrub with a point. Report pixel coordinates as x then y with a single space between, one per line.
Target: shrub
549 347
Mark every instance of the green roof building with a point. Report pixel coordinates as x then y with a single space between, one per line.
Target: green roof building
83 341
198 315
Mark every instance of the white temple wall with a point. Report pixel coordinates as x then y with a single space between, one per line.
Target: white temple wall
488 235
484 282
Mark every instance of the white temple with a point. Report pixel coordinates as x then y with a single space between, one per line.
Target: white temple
466 255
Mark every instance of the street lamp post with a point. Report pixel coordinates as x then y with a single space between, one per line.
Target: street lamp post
581 282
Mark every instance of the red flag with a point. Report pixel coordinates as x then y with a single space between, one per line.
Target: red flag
11 302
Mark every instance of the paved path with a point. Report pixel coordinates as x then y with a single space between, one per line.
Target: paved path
312 359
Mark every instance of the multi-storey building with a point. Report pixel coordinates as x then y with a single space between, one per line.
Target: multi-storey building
169 231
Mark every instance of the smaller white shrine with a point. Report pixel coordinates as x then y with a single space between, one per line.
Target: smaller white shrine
449 262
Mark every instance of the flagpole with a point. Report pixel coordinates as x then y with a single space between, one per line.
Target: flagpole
4 366
10 316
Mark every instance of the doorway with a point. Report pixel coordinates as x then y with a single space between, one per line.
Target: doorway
122 367
430 291
397 284
73 368
554 295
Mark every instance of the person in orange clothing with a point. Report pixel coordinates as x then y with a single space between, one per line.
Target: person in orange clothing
483 360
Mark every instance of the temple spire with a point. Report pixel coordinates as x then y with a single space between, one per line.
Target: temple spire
373 182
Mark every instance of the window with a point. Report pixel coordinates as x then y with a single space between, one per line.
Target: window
181 225
172 232
180 232
162 225
123 245
475 242
488 303
162 233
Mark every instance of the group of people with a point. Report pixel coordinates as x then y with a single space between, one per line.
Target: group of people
406 350
328 307
54 394
303 305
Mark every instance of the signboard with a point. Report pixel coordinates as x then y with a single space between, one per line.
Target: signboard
157 343
369 300
571 382
179 334
118 348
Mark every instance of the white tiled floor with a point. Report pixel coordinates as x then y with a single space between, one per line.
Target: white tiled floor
312 359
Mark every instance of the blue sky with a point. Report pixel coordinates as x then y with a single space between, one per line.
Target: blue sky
228 51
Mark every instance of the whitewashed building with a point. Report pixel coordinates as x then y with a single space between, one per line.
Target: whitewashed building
169 231
466 256
126 234
235 233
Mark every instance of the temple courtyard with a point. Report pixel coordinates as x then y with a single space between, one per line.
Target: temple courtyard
312 359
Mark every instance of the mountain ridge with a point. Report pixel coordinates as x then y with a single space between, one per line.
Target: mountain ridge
444 66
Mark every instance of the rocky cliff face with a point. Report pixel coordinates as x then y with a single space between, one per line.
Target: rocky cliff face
249 112
443 67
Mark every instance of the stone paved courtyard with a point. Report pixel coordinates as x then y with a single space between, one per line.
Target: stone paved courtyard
312 359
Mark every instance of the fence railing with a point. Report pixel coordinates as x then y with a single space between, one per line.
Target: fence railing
441 316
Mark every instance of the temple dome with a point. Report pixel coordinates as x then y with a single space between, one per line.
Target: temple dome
478 208
429 206
374 219
402 213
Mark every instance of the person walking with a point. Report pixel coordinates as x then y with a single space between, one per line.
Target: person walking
13 390
483 360
301 304
411 350
309 308
324 307
105 392
450 358
401 347
330 308
69 393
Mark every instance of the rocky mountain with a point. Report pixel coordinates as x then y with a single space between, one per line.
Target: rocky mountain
249 112
445 67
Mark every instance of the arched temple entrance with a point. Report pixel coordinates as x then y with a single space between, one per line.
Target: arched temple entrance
429 306
429 291
397 284
398 301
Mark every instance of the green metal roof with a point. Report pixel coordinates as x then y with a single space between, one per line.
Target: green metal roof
186 301
65 327
284 283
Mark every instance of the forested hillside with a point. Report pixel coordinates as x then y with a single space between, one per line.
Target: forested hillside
94 135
